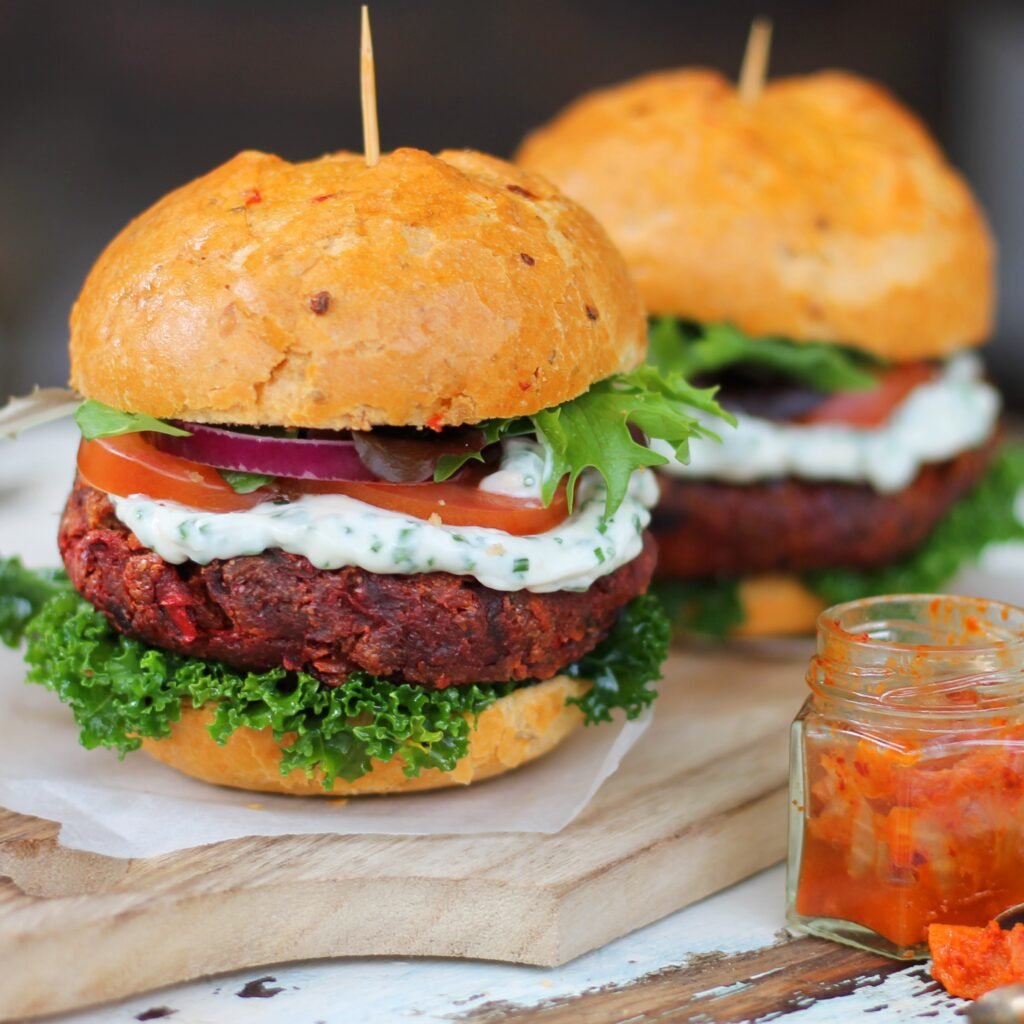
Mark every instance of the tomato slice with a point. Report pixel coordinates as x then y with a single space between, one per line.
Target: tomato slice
129 464
873 406
456 503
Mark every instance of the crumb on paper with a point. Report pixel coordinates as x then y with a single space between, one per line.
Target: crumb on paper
255 807
339 802
496 549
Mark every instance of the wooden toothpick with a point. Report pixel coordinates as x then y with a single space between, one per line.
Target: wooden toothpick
755 61
368 92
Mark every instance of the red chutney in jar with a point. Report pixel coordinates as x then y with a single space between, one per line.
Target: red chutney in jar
909 775
898 839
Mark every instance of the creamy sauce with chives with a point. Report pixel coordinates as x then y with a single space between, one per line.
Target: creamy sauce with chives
333 531
937 421
521 472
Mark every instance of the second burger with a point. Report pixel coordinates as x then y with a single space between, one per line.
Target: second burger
811 251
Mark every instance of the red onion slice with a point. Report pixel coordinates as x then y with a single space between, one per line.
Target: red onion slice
297 458
396 455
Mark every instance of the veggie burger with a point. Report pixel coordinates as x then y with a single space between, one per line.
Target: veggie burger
362 496
813 254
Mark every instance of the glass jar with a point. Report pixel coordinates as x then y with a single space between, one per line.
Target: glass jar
907 772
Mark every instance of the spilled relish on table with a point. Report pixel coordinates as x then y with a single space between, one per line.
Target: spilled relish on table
907 778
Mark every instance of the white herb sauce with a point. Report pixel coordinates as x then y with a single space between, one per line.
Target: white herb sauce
334 531
521 472
938 420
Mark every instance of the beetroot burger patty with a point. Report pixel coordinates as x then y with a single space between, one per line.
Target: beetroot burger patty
261 611
715 529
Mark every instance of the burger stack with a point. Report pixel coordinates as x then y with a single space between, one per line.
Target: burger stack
811 253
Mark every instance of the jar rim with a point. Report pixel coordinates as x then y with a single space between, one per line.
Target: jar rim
830 624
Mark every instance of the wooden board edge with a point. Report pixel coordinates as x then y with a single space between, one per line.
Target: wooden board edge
110 942
628 885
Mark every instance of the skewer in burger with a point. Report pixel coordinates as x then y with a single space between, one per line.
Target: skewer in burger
361 502
812 253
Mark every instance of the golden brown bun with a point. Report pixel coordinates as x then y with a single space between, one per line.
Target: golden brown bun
822 211
457 288
517 728
778 606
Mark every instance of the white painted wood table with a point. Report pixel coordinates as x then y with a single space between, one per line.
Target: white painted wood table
725 959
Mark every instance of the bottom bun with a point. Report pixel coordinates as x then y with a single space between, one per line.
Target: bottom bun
517 728
778 606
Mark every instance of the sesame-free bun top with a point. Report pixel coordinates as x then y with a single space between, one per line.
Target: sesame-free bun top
820 211
426 290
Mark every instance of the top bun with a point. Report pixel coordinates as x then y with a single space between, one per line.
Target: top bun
427 290
821 211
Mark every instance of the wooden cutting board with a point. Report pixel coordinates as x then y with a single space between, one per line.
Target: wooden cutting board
698 804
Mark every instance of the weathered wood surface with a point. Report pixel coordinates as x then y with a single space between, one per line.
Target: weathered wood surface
699 804
763 985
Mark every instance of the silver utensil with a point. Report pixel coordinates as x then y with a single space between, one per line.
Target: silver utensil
1001 1006
1008 918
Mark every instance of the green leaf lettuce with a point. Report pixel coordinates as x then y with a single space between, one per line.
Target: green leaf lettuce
95 420
707 349
245 483
23 592
593 430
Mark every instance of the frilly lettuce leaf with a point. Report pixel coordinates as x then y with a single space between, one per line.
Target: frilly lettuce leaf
626 663
593 430
708 607
23 592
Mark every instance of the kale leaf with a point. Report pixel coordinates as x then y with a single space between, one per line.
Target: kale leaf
624 665
23 592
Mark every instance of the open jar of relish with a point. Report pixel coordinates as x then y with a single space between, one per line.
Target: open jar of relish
907 772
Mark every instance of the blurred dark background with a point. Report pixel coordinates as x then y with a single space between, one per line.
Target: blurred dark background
107 104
